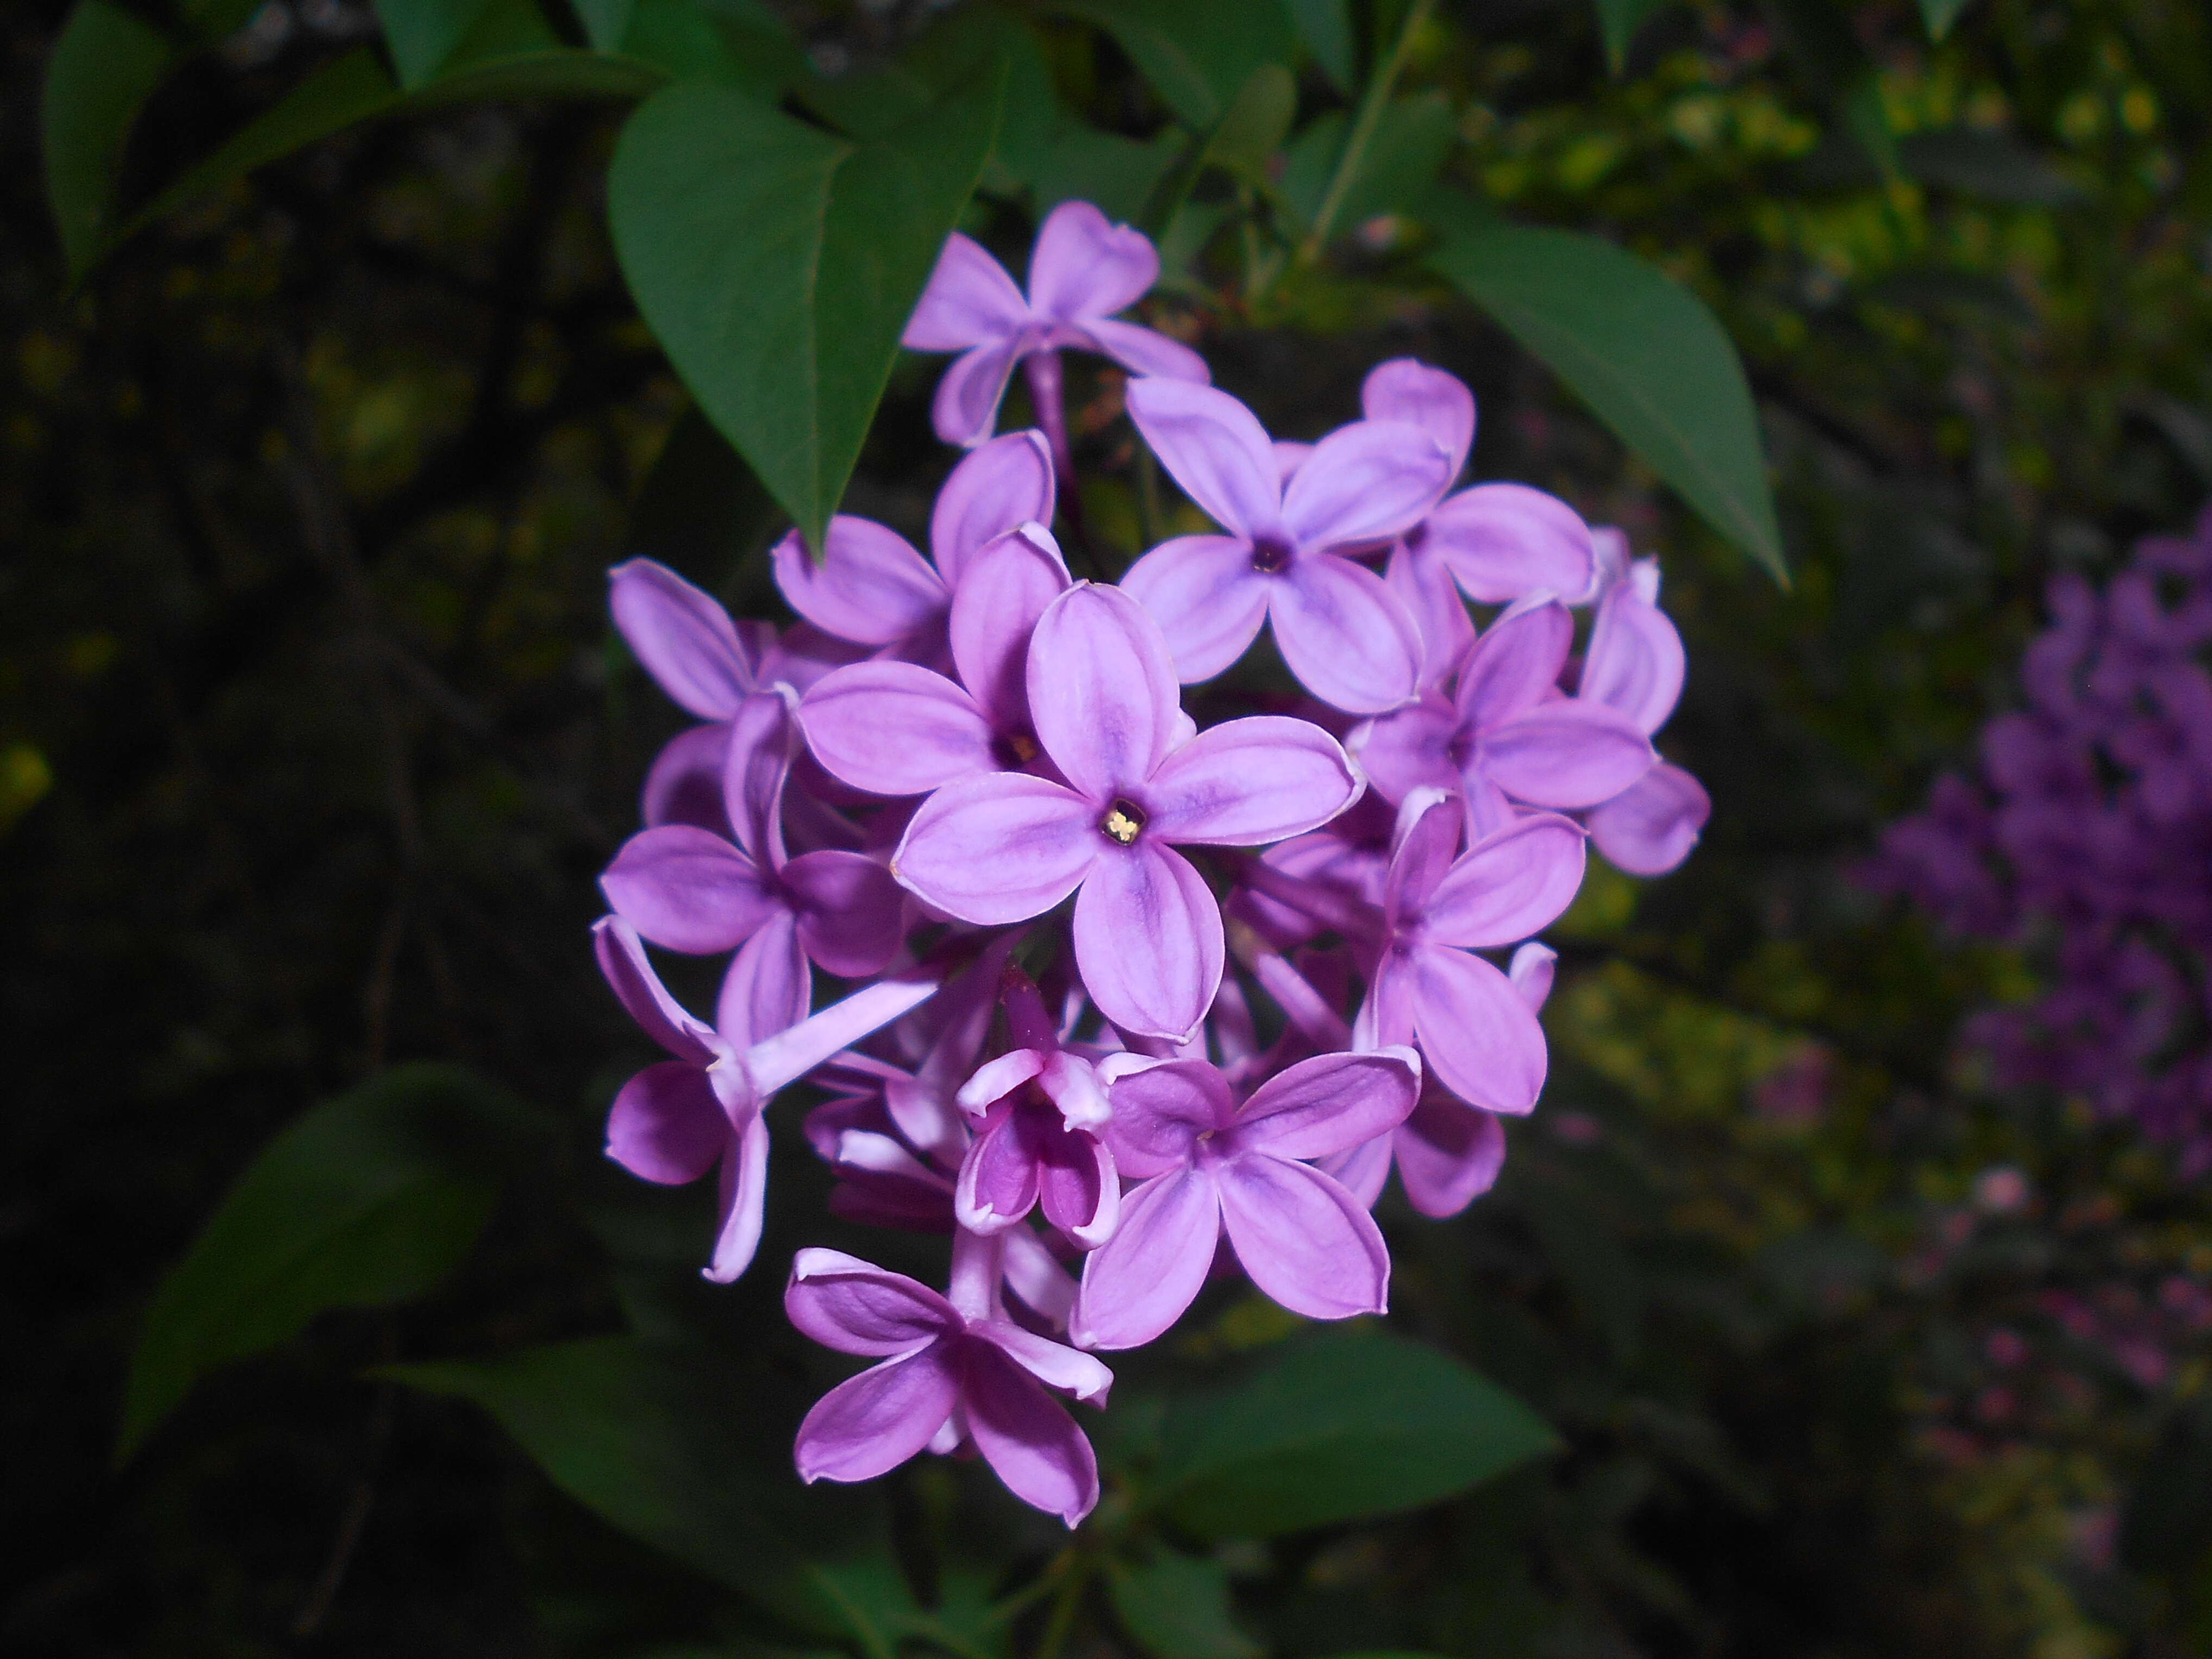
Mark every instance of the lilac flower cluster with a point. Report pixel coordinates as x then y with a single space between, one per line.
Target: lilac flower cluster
966 786
2087 838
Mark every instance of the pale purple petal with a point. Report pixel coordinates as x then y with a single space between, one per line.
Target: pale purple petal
790 1055
1290 456
1070 1083
1305 1240
856 1307
767 987
1634 663
1502 542
894 729
995 607
1345 635
639 989
997 1078
682 637
850 911
683 785
1101 690
1148 940
1078 1187
666 1126
1477 1033
1509 885
1565 753
1328 1104
1214 447
998 1183
966 407
805 654
869 1424
1038 1281
1059 1367
871 586
1246 782
1363 483
1160 1112
1086 265
763 740
744 1198
999 849
1516 664
1407 389
1448 1155
1649 827
1408 749
1531 971
1006 482
1424 586
1027 1437
1205 596
1362 1171
1143 350
969 301
687 889
1140 1280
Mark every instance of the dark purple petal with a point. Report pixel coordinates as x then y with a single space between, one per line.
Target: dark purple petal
1005 483
1306 1242
1408 749
1102 690
1407 389
1148 940
1504 541
666 1126
1362 1170
1477 1033
1027 1437
682 637
998 1183
1160 1112
1246 782
622 959
767 987
1566 754
683 785
894 729
1078 1187
1346 635
1427 840
850 912
1448 1155
744 1202
1086 265
1516 664
1059 1367
871 587
869 1424
969 301
856 1307
1007 586
1507 886
1205 596
1139 1281
1649 827
999 849
1214 447
1363 484
763 740
686 889
1328 1104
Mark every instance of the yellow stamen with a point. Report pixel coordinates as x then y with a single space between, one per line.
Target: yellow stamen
1121 826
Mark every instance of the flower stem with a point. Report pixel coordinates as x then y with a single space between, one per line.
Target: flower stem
1065 1605
978 1266
1372 103
1042 369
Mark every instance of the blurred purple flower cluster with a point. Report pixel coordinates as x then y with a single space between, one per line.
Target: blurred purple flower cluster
2086 840
964 785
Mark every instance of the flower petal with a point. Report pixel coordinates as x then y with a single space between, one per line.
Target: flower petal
682 637
1365 482
994 1079
850 911
998 1183
1086 265
1477 1033
687 890
644 998
1448 1155
1328 1104
969 301
1345 635
1651 826
1508 885
1078 1187
1362 1170
1139 1281
1516 664
1246 782
1059 1367
869 1424
871 586
1101 690
1408 749
966 407
1531 971
1143 350
894 729
1026 1436
1407 389
1160 1112
1004 483
763 741
856 1307
1634 663
1565 753
1037 1280
1427 840
683 785
1205 596
1423 584
999 849
1502 542
1007 587
1148 940
666 1126
744 1198
767 987
1214 447
1306 1242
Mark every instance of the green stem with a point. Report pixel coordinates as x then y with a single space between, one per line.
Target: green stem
1372 103
1065 1605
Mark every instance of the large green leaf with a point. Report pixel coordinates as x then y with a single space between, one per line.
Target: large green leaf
1643 351
1325 26
104 65
1177 1607
778 264
1395 172
369 1199
421 34
1197 56
1350 1424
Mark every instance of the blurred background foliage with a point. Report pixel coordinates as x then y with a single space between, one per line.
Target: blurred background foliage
314 736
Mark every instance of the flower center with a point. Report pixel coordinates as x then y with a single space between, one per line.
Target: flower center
1122 822
1270 554
1015 749
1415 536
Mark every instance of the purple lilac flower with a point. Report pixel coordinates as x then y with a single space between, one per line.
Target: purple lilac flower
1003 848
1207 1168
954 1371
1082 270
1344 634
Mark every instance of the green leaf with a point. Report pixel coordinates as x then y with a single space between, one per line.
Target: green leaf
1177 1607
104 65
1198 56
778 265
1940 14
1354 1422
1985 164
695 42
369 1199
1620 20
605 21
421 34
1325 26
1400 164
1644 352
1255 124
